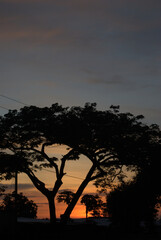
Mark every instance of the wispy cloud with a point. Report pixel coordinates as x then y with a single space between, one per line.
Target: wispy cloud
115 80
32 35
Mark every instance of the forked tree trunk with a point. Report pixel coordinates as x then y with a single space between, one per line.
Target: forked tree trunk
79 192
50 195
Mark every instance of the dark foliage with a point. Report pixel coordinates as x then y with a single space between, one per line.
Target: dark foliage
65 196
94 205
24 206
132 203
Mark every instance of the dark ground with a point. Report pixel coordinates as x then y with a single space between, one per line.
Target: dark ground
34 231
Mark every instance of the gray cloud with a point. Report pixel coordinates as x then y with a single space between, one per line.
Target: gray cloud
77 22
65 189
21 186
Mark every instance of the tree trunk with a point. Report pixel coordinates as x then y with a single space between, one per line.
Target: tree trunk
52 210
86 213
50 195
79 192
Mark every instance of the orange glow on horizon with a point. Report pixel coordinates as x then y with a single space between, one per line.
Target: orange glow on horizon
78 212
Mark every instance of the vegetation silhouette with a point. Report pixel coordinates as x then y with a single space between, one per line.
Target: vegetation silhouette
90 202
129 205
111 141
93 204
25 207
2 190
137 201
65 196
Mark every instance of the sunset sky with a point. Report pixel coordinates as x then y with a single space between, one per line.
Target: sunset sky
77 51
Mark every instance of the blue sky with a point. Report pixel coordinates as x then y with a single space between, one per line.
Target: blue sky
77 51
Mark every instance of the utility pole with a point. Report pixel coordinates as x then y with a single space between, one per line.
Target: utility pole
14 225
16 192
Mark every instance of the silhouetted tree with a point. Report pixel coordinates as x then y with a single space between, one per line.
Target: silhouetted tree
94 205
65 196
25 207
90 202
100 210
109 139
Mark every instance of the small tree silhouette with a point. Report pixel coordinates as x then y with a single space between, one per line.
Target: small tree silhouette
100 210
65 196
90 201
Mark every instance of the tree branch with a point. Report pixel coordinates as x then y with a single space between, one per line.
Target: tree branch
37 183
106 159
48 158
63 161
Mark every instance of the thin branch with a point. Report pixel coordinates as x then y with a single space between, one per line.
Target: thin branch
105 173
114 177
63 161
102 151
43 147
110 163
105 158
97 176
42 152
